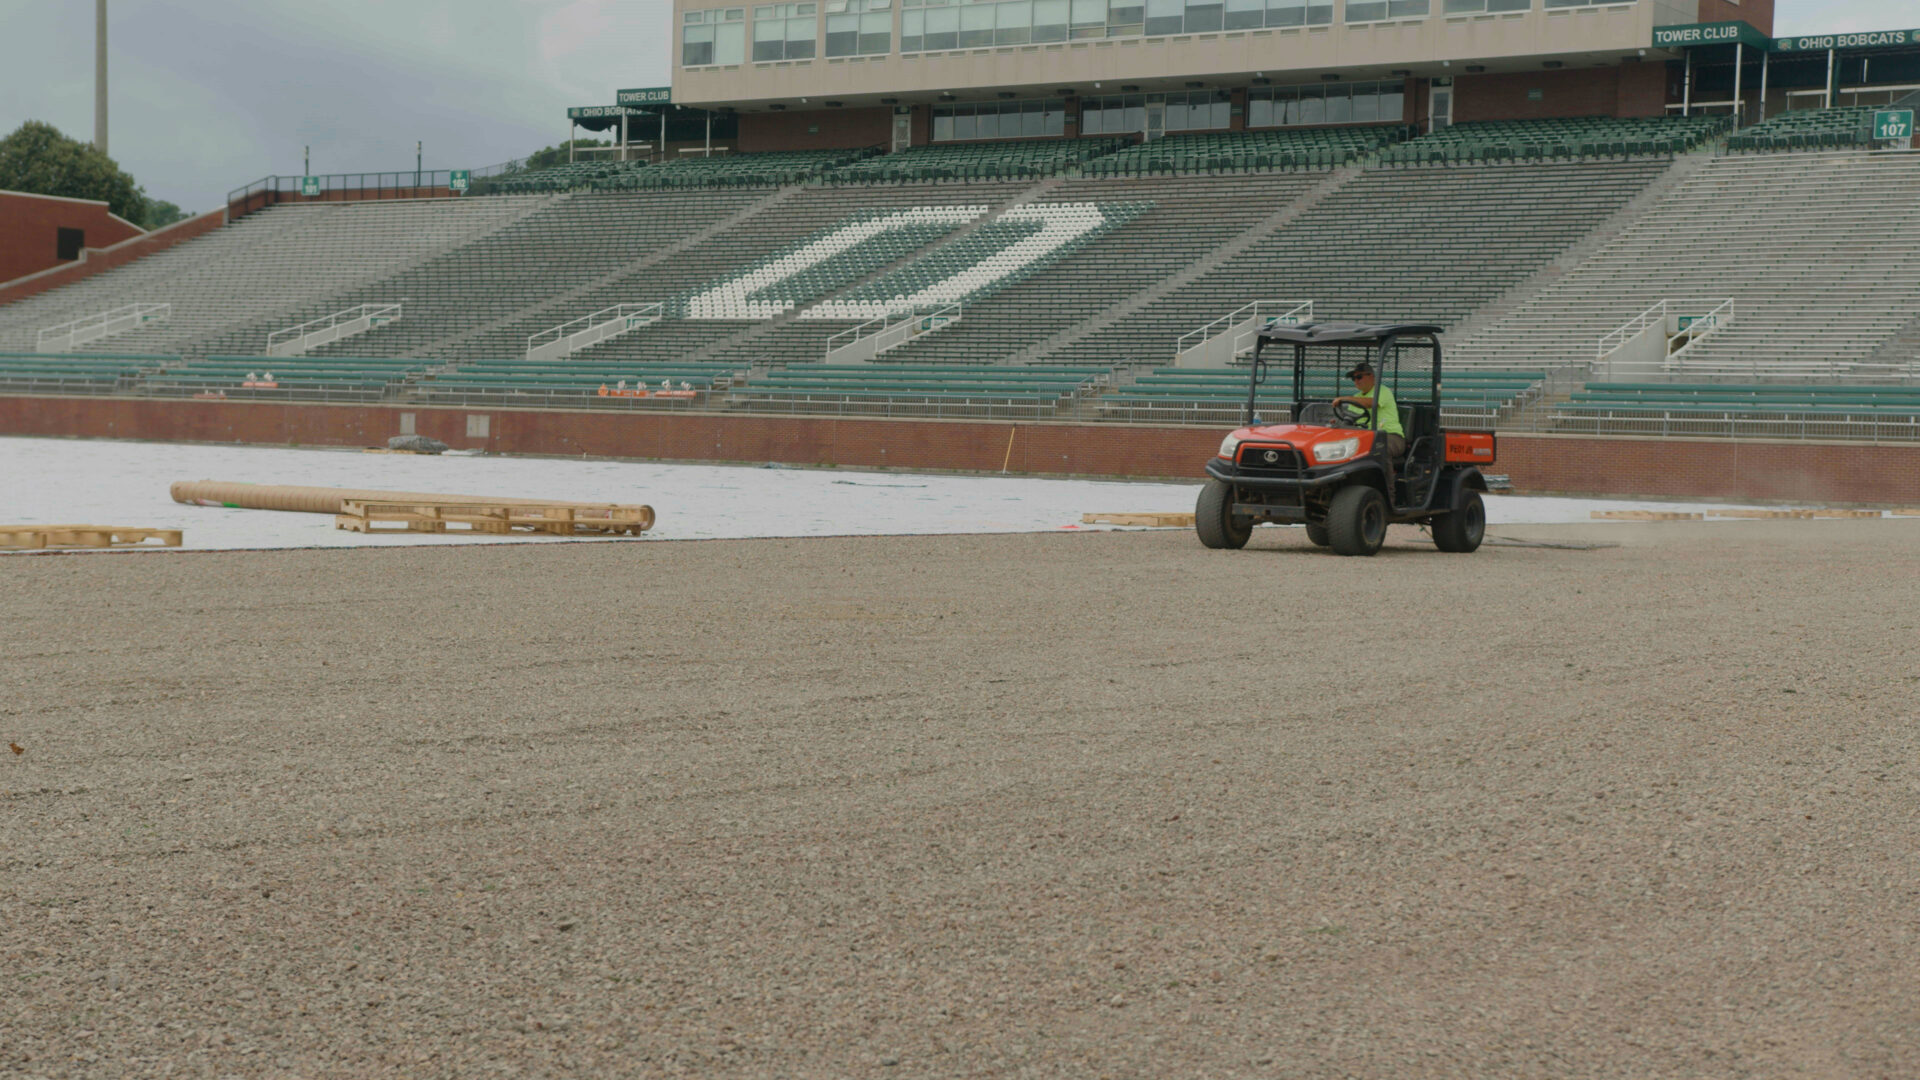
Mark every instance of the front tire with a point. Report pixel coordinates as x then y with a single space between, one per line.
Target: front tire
1213 518
1357 521
1317 534
1463 529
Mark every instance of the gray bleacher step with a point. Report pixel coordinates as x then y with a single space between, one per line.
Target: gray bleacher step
557 305
768 326
1684 167
1241 241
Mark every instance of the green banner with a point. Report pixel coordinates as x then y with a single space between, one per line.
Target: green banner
309 186
590 112
1893 124
1823 42
1713 33
459 179
649 95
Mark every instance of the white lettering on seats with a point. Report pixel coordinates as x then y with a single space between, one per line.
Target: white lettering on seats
733 298
1059 224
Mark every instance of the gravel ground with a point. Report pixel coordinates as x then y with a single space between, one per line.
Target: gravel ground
1046 805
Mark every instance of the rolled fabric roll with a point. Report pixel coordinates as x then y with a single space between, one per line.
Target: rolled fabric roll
319 500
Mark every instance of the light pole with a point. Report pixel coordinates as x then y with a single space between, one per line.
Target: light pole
100 75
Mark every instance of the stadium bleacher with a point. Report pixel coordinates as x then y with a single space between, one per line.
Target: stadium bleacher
1150 248
976 160
1826 411
1192 153
1577 137
1189 395
1814 249
1408 245
336 378
1809 129
733 170
74 373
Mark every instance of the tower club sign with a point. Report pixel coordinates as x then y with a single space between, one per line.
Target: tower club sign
1728 33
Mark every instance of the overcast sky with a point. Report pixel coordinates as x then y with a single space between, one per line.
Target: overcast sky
209 94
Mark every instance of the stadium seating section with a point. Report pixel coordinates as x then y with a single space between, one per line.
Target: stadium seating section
977 160
1536 140
1809 129
1813 249
733 170
94 373
1077 265
1248 151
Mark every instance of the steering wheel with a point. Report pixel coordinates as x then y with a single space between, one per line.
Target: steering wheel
1350 414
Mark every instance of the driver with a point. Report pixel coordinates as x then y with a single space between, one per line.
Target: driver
1385 419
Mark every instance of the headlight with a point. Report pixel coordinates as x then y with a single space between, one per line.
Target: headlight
1228 445
1338 450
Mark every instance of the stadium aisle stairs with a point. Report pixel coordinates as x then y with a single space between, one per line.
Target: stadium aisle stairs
1816 250
1406 245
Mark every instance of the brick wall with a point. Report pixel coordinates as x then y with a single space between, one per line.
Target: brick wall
1701 468
839 128
1755 13
30 225
93 262
1625 90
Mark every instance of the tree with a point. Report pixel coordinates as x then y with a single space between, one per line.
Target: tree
557 155
161 213
38 159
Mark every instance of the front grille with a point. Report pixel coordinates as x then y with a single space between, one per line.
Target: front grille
1269 460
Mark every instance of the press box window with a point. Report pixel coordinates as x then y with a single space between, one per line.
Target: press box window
718 36
784 31
859 27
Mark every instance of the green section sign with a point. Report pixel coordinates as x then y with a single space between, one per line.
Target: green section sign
1823 42
593 112
1893 124
309 186
459 179
1713 33
648 95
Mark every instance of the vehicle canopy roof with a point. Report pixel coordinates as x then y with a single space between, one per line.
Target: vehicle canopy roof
1339 333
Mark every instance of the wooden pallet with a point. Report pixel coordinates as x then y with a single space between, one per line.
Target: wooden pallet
40 537
494 519
1165 521
1644 515
1756 514
1847 514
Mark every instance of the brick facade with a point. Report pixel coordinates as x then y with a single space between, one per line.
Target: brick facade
1755 13
30 226
1625 90
1700 468
838 128
98 261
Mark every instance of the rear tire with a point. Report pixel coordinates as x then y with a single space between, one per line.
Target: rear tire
1317 534
1357 521
1213 518
1462 530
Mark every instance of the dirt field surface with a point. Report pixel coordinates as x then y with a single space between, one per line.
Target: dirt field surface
1045 805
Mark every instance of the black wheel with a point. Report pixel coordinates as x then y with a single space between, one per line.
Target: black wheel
1213 518
1317 534
1463 529
1357 521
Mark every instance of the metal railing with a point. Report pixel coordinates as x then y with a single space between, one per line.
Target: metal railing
295 340
590 330
1243 323
898 328
1667 316
67 335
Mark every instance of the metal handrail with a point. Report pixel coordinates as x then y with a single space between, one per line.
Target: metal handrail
1242 314
888 321
324 322
1658 313
605 315
140 313
1718 319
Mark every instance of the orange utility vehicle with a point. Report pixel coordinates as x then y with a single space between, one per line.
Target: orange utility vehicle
1330 468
